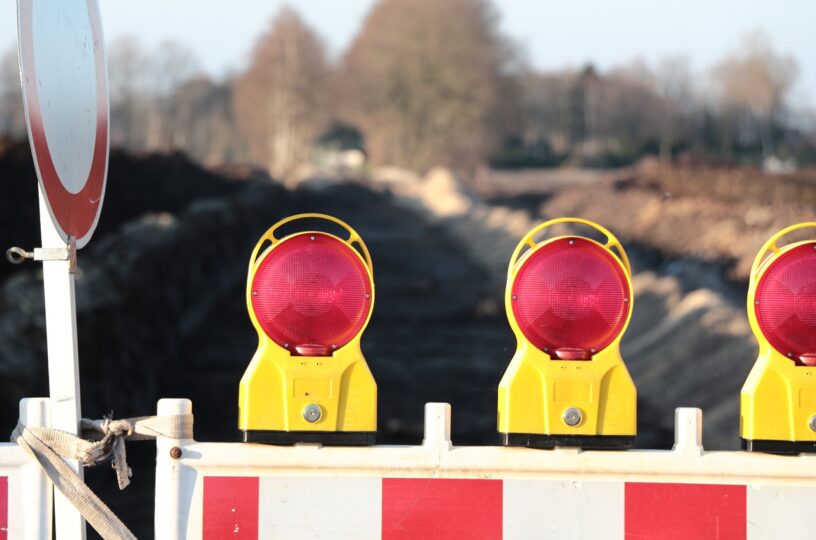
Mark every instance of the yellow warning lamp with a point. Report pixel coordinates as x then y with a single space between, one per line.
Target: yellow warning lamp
310 297
568 300
778 400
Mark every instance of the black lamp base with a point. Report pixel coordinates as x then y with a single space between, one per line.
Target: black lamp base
329 438
587 442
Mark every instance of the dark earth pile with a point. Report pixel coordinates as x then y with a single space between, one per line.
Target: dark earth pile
161 312
160 301
688 344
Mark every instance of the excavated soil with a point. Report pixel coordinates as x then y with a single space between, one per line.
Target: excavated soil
160 296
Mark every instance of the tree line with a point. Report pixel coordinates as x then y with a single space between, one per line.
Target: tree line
434 82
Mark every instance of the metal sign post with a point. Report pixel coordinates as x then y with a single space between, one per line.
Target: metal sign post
63 360
65 90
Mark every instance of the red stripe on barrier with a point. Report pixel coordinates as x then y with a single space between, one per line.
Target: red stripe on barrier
441 509
3 508
230 507
685 511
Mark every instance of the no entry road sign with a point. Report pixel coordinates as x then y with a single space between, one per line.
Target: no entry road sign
65 89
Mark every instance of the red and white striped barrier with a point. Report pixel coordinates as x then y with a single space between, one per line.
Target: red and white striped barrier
25 491
251 507
437 491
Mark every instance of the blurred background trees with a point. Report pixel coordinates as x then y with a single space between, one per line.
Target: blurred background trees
435 82
12 116
753 84
281 100
161 101
428 81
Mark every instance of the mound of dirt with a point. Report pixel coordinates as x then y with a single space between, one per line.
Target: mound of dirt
160 298
719 215
688 344
136 185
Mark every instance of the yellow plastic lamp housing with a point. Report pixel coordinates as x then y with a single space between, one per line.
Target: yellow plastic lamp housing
309 296
569 301
778 400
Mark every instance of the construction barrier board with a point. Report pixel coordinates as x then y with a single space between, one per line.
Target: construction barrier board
438 491
25 491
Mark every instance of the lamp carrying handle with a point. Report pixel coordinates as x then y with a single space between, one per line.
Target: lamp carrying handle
772 246
612 243
269 236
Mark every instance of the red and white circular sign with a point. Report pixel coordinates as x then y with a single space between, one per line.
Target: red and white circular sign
65 89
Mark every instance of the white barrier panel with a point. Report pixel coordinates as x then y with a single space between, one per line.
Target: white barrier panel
438 491
25 491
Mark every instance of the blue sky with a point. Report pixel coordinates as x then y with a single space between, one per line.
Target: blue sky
553 34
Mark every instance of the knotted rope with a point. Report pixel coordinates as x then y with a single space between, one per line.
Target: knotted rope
105 439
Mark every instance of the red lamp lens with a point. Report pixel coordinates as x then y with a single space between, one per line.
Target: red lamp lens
311 294
785 303
571 298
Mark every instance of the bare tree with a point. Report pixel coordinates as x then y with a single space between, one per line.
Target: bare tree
203 113
129 79
12 114
430 82
171 66
280 102
673 80
144 111
629 113
546 99
756 81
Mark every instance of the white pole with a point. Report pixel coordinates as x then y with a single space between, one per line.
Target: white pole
437 426
63 365
173 488
37 487
688 431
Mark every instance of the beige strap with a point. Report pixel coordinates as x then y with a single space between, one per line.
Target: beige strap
106 441
110 435
95 512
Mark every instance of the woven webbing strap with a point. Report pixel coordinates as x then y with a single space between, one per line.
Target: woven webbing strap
106 441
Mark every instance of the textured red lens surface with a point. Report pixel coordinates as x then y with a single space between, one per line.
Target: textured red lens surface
571 295
312 293
786 308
